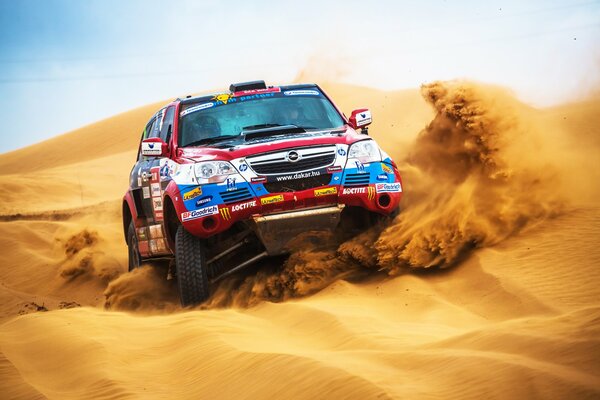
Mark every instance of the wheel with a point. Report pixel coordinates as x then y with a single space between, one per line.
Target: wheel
190 264
132 244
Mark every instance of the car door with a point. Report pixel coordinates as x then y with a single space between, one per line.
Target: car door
154 182
149 175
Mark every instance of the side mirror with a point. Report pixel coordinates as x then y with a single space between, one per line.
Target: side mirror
360 118
154 147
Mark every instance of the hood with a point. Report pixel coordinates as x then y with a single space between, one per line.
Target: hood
240 148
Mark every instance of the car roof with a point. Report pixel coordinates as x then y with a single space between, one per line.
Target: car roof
206 97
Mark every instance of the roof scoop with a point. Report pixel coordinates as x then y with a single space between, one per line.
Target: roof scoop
253 85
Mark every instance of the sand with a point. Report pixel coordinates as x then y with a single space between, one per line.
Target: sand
486 286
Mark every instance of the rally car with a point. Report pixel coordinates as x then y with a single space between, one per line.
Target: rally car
225 179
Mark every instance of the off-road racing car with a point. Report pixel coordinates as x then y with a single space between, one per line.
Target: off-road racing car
223 180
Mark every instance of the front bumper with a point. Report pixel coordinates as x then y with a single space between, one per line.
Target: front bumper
375 187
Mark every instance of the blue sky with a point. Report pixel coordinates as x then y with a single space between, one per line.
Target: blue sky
68 63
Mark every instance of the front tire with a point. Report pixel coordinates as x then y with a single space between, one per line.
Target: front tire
135 260
190 263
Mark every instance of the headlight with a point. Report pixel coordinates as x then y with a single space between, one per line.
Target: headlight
366 151
212 171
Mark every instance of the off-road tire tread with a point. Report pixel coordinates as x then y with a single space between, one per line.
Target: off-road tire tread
130 234
190 262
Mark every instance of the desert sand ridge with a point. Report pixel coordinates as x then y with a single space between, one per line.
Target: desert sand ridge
517 314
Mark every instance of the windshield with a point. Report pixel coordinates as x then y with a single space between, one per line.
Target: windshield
226 116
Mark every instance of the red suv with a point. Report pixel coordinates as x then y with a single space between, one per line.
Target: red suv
223 180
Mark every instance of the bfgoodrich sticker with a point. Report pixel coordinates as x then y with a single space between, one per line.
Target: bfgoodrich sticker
203 212
325 191
388 187
271 199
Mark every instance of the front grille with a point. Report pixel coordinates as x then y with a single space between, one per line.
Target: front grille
278 163
294 185
236 195
356 180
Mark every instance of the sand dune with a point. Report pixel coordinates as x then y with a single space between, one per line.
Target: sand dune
517 315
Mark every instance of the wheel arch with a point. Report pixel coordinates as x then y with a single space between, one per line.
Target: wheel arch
127 218
171 221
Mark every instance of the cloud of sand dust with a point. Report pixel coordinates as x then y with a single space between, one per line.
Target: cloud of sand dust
143 289
475 176
85 258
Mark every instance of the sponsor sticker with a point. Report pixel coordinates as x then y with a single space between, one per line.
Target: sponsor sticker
334 169
388 187
223 98
243 167
142 233
371 194
146 192
158 215
203 200
341 152
161 246
257 91
360 167
244 206
225 213
382 177
143 247
301 93
154 171
157 204
258 179
363 118
386 168
231 184
196 108
202 212
325 191
151 148
139 181
357 190
155 189
192 194
164 172
271 199
299 175
155 231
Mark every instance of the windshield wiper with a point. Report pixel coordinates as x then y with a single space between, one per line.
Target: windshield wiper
211 140
258 126
272 131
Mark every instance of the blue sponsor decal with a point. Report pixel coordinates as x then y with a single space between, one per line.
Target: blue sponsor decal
151 145
342 152
382 177
203 200
301 93
388 187
363 115
360 167
231 184
243 167
164 171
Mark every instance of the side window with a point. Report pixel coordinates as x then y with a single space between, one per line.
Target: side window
167 124
146 135
155 129
148 128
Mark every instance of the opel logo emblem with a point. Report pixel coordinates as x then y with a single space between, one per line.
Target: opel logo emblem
293 156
